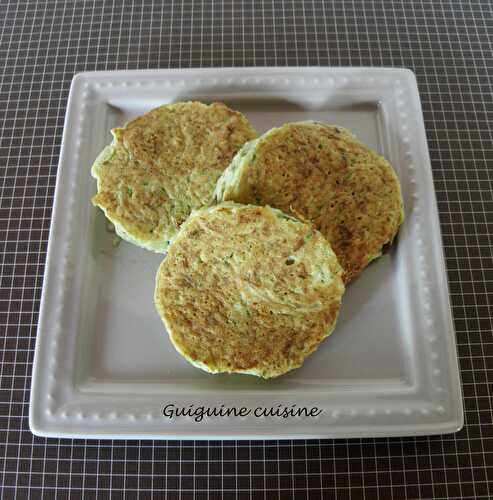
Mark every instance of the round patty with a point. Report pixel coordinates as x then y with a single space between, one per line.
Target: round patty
162 165
322 174
248 289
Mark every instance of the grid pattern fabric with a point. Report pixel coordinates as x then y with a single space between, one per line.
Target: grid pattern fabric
447 43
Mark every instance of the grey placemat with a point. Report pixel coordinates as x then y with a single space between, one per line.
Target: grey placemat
447 43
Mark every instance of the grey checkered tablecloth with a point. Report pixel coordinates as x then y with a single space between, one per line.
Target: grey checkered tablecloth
448 45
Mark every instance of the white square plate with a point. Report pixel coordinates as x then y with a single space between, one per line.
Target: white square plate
104 366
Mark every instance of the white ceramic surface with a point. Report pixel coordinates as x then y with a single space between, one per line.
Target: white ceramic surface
104 366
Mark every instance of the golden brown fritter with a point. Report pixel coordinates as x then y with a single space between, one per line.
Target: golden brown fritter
248 289
162 165
322 174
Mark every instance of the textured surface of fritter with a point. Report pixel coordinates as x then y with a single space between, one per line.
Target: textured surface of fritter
162 165
323 174
248 289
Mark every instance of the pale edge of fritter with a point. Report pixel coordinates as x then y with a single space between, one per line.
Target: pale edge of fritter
233 182
156 245
223 369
